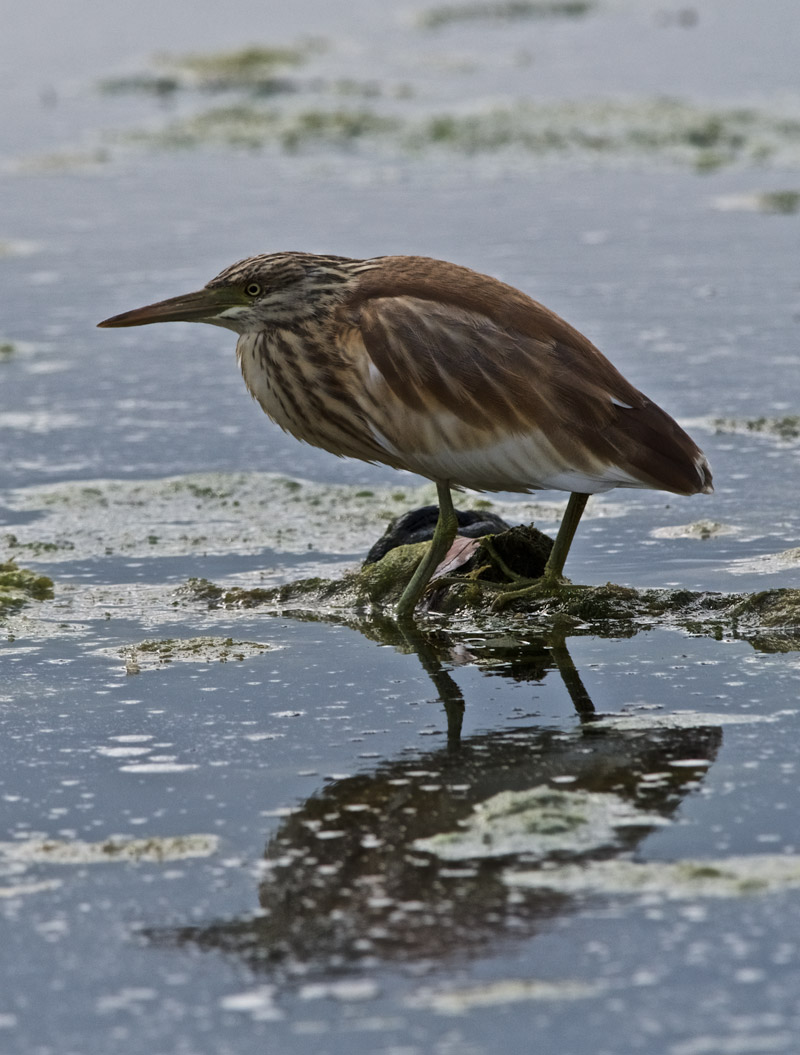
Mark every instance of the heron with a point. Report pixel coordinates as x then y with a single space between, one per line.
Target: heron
436 369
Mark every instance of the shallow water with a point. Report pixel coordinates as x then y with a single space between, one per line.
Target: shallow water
219 826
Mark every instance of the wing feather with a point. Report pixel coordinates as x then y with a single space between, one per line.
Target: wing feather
462 365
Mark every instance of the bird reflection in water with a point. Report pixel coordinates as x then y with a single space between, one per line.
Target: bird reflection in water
522 661
347 884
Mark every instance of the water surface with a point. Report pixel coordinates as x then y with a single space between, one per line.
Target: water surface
232 844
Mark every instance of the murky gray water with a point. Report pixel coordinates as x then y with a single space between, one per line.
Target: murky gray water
304 835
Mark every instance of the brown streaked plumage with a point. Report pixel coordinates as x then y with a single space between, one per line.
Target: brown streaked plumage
431 367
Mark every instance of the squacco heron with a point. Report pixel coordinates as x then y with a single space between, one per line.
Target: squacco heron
430 367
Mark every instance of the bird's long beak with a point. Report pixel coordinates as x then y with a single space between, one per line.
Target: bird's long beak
203 306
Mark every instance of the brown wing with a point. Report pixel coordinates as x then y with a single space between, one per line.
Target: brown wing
454 345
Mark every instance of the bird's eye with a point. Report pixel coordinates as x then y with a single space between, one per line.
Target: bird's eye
252 289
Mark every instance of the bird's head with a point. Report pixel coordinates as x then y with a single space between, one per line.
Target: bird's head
253 294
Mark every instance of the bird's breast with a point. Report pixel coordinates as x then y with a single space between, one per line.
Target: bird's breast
252 354
282 379
303 387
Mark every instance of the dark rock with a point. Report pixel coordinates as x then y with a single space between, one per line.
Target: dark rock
418 526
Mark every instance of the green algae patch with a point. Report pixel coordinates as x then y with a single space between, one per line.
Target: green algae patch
769 620
772 608
786 428
220 514
780 201
158 85
37 548
155 849
251 126
240 125
663 129
374 585
785 202
671 129
324 529
539 822
240 68
337 128
385 579
315 594
503 11
284 98
61 161
251 69
153 654
728 877
267 106
215 513
20 586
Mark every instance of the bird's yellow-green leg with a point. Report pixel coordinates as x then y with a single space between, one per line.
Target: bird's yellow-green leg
554 568
443 535
552 577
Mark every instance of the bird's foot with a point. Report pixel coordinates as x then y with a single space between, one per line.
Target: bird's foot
548 586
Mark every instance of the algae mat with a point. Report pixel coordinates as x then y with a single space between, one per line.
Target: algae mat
305 542
218 513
